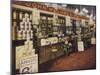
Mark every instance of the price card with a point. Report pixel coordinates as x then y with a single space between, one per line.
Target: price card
80 46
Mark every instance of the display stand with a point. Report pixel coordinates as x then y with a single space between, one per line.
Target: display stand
26 59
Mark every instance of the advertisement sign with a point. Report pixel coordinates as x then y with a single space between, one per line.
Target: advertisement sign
29 64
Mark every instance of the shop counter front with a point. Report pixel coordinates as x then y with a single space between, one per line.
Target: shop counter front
50 52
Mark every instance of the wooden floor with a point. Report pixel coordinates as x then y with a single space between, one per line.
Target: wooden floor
76 61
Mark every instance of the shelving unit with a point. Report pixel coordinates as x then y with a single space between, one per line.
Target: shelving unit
22 29
22 24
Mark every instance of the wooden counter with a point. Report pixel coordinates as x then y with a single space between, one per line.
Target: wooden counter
46 53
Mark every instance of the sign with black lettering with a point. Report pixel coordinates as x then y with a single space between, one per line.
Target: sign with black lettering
80 46
29 65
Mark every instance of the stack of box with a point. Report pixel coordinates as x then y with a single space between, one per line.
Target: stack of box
26 59
25 27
